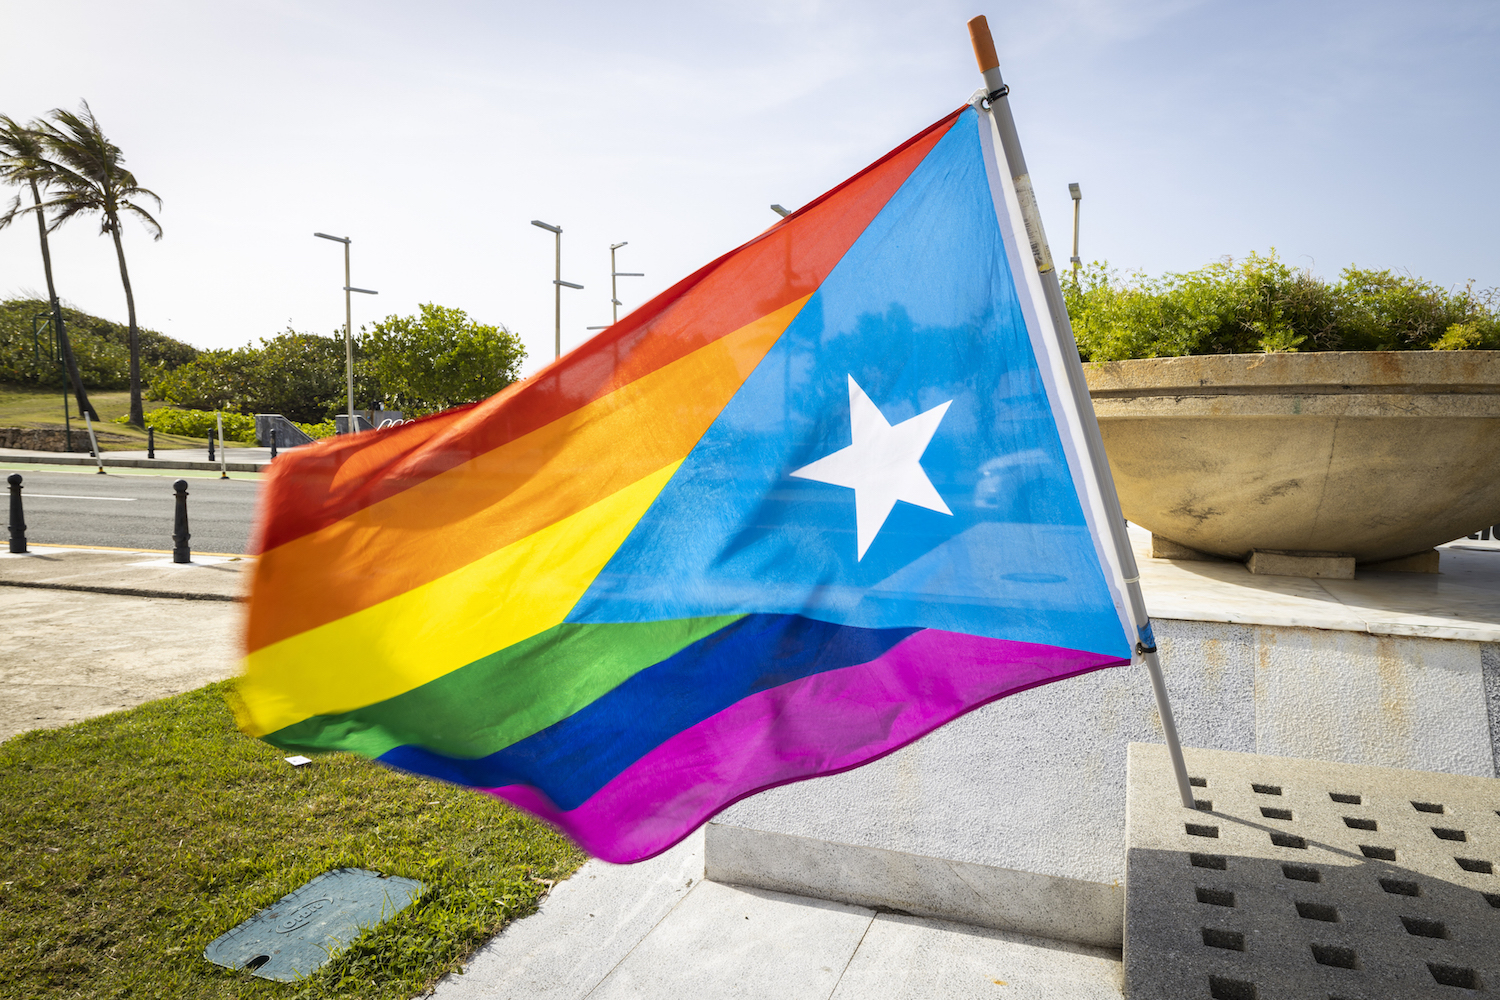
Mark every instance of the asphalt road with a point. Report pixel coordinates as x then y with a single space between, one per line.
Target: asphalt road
135 511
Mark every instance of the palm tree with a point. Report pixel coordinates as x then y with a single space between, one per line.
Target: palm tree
86 173
23 161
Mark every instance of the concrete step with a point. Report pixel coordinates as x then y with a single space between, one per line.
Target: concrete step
659 930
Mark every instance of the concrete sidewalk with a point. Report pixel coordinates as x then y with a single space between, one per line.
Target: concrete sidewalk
127 572
658 930
90 631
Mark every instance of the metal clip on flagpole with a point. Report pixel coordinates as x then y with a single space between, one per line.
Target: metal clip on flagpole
997 96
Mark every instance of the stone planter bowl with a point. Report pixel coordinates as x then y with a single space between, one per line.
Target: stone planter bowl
1377 455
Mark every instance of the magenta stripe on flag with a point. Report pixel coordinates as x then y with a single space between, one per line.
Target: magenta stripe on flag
816 725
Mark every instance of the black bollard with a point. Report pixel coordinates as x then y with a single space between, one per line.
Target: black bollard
273 442
17 517
180 551
210 446
150 442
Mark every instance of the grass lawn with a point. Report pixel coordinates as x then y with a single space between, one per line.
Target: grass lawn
130 841
28 406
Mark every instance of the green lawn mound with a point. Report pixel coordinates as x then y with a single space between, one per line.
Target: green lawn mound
130 841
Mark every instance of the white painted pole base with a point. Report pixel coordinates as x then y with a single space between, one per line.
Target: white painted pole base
94 443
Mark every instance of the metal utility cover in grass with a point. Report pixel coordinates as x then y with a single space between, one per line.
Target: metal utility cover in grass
1308 879
302 930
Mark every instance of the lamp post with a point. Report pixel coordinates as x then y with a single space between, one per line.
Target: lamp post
1077 200
780 211
614 293
348 322
557 286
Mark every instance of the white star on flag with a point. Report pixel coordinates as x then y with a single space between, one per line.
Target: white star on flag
883 464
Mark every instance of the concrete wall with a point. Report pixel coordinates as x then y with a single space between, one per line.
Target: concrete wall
1035 783
288 434
56 439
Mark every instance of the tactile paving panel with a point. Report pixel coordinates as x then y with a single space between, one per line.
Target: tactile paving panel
1303 879
304 929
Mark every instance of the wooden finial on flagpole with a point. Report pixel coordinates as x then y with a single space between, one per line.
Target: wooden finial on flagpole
984 52
984 43
998 105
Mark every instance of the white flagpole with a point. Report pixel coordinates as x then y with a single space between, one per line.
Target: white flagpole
999 105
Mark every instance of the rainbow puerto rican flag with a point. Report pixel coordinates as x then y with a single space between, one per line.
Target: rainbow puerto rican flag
816 500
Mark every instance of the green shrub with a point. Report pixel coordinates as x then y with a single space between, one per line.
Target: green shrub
440 358
201 424
418 364
198 424
299 375
318 431
1260 304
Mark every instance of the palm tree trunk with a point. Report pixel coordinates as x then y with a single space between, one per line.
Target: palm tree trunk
69 362
137 412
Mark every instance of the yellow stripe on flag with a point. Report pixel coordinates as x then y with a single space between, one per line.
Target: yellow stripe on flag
508 595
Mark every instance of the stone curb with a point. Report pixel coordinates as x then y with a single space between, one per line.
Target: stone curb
121 591
139 463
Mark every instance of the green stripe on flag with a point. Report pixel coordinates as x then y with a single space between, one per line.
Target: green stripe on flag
489 704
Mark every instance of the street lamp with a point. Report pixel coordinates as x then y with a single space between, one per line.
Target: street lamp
780 211
1077 200
557 285
348 321
614 294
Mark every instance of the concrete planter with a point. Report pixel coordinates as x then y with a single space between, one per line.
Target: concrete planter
1374 455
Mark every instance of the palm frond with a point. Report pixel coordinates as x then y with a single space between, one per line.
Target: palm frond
152 225
67 211
134 191
67 203
22 153
59 175
16 210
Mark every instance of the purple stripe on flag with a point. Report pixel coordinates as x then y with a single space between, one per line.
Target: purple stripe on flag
817 725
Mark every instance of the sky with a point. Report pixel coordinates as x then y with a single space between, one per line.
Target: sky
1336 133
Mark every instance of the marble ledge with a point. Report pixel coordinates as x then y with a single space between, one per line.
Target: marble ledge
1460 602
